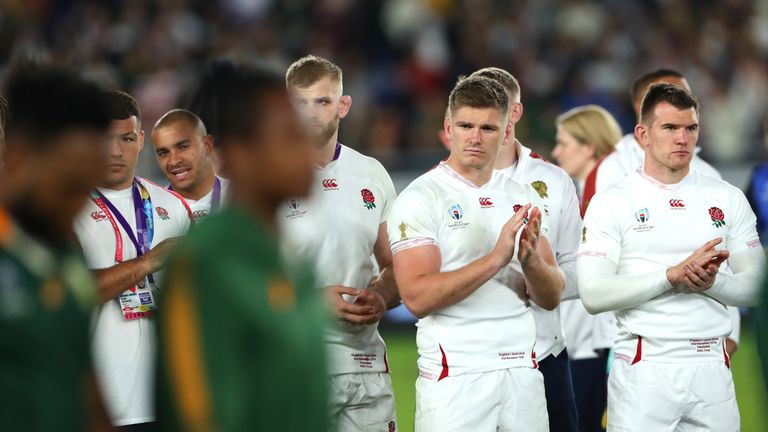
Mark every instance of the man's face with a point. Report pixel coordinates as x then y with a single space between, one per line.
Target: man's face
321 106
277 162
671 138
125 142
476 135
184 154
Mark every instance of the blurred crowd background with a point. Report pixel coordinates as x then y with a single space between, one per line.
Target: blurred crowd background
401 57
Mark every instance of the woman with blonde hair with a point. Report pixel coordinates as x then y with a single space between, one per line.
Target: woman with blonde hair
585 136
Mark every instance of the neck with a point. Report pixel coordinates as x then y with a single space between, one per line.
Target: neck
586 169
477 175
117 186
325 152
664 174
508 154
199 190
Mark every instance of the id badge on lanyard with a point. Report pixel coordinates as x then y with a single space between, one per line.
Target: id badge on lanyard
138 301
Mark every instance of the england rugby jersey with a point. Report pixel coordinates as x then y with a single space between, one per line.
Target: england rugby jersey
645 227
336 229
493 328
124 351
561 209
202 208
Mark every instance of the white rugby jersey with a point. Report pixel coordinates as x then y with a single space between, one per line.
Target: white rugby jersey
561 209
124 351
202 208
336 228
493 328
645 227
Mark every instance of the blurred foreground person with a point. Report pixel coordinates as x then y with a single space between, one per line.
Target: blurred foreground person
55 143
240 335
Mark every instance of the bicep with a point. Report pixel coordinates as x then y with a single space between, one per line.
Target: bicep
413 263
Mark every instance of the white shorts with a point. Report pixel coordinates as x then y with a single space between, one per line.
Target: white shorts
503 400
652 396
362 402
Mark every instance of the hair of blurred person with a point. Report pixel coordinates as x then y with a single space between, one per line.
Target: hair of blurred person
126 140
55 142
262 141
184 151
585 135
316 88
643 82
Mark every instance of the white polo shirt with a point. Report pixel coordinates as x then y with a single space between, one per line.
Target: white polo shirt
124 351
336 229
561 209
493 328
202 208
645 226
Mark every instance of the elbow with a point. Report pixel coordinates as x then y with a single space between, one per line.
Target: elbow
417 309
549 304
592 303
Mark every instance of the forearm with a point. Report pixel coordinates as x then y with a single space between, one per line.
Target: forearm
386 287
428 293
544 282
602 290
742 287
112 281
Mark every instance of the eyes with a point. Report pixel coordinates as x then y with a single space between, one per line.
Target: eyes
484 128
674 128
162 153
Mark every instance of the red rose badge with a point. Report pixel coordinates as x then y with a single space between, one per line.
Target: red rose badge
163 213
717 216
368 199
517 207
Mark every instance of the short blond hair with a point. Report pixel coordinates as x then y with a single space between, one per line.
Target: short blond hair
592 125
310 69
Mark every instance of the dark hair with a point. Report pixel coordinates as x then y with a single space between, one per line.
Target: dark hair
202 96
241 98
45 101
177 115
310 69
121 106
506 79
3 112
478 92
669 93
643 81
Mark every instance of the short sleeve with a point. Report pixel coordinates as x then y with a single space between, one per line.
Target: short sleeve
412 221
388 192
601 234
742 234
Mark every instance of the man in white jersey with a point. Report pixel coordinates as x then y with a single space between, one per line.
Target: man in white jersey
339 228
561 211
468 271
184 152
627 157
125 231
652 251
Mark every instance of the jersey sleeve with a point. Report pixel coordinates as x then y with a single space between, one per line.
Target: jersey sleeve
568 236
536 201
742 234
388 192
412 221
601 234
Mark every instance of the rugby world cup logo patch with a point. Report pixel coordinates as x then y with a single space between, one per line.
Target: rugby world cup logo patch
455 212
642 215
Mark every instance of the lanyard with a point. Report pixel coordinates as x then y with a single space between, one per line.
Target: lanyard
142 204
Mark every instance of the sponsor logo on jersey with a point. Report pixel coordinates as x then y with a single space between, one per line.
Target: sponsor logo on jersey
330 184
642 216
369 201
391 426
717 216
485 202
676 204
98 215
541 188
200 214
163 213
295 210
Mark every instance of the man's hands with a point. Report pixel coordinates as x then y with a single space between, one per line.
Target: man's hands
155 258
368 307
529 239
505 245
697 272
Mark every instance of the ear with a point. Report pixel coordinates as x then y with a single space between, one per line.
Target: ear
141 140
508 132
641 134
345 103
208 145
515 112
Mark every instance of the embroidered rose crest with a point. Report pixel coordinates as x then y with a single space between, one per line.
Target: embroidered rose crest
717 216
368 199
163 213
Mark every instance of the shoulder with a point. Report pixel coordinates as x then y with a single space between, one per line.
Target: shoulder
163 195
549 173
358 163
424 187
705 168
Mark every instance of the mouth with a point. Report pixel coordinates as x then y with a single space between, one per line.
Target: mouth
681 153
115 167
474 152
180 173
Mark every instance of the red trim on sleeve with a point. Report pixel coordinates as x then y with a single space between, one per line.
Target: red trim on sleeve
590 187
444 372
639 352
533 358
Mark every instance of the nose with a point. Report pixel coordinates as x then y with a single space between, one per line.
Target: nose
556 152
115 147
174 157
475 136
682 136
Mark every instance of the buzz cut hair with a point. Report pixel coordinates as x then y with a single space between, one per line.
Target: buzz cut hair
310 69
674 95
478 92
181 115
506 79
121 106
643 81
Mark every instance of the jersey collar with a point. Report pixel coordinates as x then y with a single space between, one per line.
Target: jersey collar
670 187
